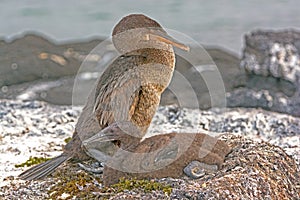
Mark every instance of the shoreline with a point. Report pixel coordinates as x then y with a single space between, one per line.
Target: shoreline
261 122
48 62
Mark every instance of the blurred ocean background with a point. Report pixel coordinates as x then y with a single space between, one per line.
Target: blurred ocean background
215 22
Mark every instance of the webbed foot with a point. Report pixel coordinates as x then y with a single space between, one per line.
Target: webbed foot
96 167
196 169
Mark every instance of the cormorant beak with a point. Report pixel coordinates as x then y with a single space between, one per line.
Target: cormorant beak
163 37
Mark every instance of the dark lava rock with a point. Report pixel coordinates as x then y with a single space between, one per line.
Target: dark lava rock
33 57
35 68
271 61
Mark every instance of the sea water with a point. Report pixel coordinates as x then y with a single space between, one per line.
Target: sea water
215 22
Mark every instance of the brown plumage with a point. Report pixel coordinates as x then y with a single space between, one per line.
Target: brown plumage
158 156
129 89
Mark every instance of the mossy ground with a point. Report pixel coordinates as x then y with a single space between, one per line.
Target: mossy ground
68 139
81 185
32 161
36 160
74 182
145 185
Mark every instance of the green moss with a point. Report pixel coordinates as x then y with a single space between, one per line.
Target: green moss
146 185
32 161
68 139
80 185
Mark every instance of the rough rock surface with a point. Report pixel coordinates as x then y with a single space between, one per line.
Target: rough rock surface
264 162
252 171
272 62
45 59
273 54
269 77
255 169
32 126
46 71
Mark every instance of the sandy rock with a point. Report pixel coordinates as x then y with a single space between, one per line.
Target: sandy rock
254 169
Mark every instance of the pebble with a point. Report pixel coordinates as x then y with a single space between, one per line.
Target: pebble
24 126
194 170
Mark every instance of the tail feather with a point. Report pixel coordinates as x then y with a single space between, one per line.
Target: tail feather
41 170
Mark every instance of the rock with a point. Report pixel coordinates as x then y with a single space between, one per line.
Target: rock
165 155
271 61
278 129
255 169
44 59
228 67
251 171
196 169
266 99
256 88
46 71
273 54
32 126
264 162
